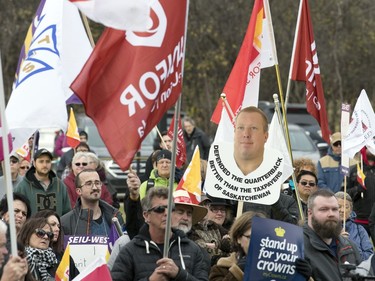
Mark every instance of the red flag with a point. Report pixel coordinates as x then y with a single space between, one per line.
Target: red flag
132 78
181 146
10 143
242 87
306 68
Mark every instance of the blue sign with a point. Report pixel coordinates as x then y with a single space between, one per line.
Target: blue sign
274 248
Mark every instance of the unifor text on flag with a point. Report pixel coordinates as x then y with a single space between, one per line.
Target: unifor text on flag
133 78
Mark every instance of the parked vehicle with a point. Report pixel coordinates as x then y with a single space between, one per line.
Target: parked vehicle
297 114
115 176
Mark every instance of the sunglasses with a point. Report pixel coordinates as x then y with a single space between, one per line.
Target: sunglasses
41 233
305 183
338 143
158 209
24 167
13 161
78 164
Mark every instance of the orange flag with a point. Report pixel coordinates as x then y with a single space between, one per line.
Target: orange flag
72 135
191 181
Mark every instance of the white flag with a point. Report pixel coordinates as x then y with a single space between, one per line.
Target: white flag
55 49
361 131
118 14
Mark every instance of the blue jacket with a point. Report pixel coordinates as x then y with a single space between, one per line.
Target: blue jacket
329 175
359 236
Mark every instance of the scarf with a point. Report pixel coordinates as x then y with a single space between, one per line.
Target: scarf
40 260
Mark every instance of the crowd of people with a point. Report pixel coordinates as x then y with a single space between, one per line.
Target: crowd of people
207 241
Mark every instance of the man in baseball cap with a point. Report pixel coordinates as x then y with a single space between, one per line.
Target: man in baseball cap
41 186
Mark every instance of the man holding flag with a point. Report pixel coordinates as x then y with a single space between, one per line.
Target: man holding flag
142 257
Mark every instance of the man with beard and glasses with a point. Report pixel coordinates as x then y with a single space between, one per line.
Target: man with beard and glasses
91 215
325 250
41 186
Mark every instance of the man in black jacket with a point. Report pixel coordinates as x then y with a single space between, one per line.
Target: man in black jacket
142 257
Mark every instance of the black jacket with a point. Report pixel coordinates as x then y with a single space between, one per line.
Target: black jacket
325 266
137 259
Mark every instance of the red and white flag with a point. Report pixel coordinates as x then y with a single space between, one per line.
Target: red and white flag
242 87
181 146
97 270
132 79
10 143
119 14
305 67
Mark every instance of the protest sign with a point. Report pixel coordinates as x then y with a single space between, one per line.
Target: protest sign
85 249
224 179
274 248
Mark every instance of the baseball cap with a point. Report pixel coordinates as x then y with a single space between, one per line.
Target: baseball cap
163 154
181 197
41 152
335 137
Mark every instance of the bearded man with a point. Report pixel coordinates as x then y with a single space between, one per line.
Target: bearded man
325 250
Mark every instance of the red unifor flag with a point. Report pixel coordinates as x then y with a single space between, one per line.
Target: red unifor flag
132 78
181 146
305 67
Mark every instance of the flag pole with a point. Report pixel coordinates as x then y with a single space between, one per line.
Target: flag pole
177 111
293 52
277 108
160 136
7 174
87 28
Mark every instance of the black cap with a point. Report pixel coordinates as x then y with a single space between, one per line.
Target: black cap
41 152
215 201
163 154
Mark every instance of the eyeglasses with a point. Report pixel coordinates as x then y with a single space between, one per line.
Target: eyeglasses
41 233
305 183
84 164
13 161
24 167
338 143
158 209
217 210
90 184
247 236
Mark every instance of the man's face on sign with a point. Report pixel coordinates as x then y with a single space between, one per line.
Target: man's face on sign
249 136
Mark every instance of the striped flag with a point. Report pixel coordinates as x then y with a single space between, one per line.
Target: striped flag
62 272
72 135
191 181
242 87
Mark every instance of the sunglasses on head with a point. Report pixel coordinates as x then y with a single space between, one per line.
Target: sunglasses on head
81 164
338 143
158 209
41 233
305 183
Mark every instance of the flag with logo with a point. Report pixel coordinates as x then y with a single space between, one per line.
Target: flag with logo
361 131
62 272
125 103
97 270
242 86
181 146
72 135
191 181
118 14
54 51
305 67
